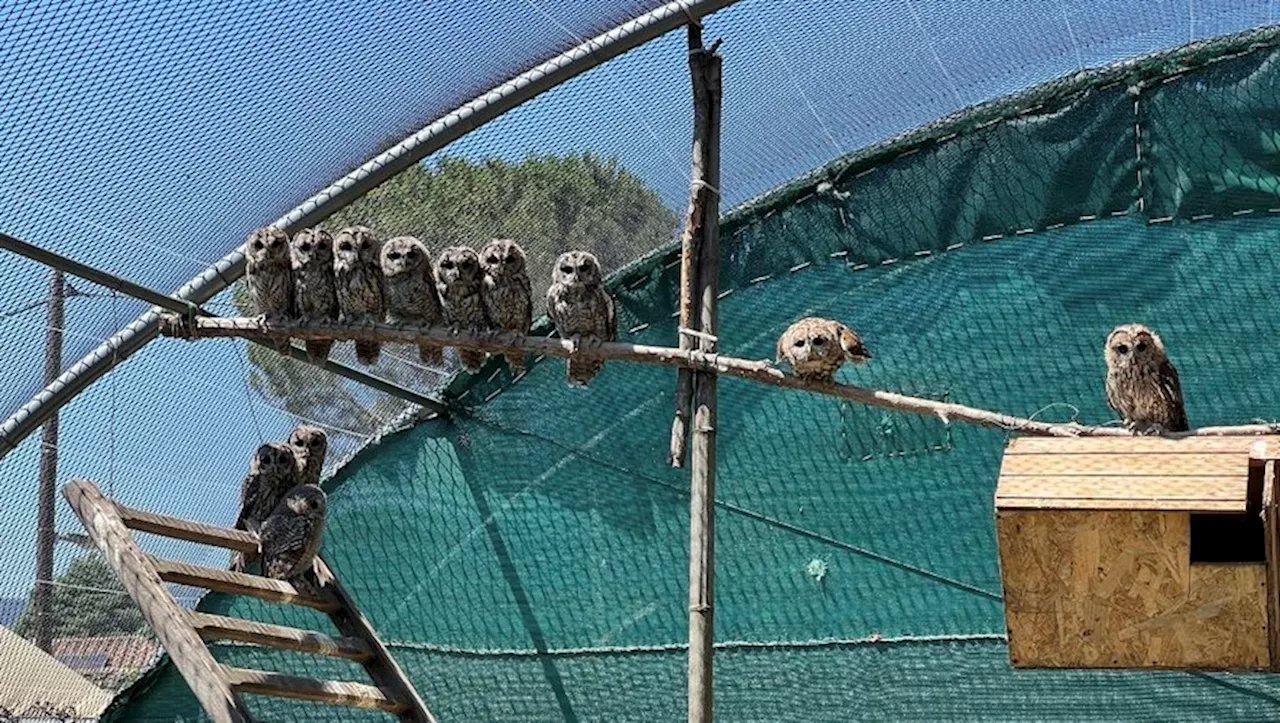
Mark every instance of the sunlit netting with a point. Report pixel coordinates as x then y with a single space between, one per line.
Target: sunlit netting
526 560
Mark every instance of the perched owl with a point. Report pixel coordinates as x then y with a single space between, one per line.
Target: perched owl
314 299
409 290
507 293
357 278
269 273
815 348
291 535
309 444
581 308
1142 385
272 472
459 280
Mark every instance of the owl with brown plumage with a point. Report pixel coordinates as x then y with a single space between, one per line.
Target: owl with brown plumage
507 293
815 348
269 273
1142 384
582 309
291 535
310 445
314 298
409 290
272 472
357 275
459 281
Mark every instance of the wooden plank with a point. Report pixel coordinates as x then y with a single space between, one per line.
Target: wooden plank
1089 589
1135 445
1198 494
217 627
333 692
382 668
180 529
1127 465
190 656
238 583
1271 530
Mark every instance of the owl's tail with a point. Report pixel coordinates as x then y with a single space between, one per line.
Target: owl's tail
472 360
516 362
367 352
240 561
432 355
319 348
582 371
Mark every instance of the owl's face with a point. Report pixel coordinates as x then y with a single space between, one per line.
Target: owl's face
355 245
274 460
458 266
306 500
403 254
811 340
309 442
1134 346
577 268
267 245
502 257
312 246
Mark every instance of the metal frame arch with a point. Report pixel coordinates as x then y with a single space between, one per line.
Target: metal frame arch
336 196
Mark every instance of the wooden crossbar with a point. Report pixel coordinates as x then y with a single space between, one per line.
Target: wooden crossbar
184 633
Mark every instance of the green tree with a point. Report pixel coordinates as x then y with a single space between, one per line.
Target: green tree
548 203
88 599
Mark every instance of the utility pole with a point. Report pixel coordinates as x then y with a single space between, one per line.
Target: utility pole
45 533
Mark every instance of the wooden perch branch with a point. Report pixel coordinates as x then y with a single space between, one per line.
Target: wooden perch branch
758 371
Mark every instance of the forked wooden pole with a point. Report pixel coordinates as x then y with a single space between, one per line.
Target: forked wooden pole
705 66
207 679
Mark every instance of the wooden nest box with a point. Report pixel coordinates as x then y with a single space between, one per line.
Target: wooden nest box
1141 552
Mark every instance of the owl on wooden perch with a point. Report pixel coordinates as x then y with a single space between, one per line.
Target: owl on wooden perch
815 348
1142 384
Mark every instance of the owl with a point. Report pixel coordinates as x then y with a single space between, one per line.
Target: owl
269 273
272 472
309 444
314 299
459 280
815 348
291 535
409 290
1142 385
358 282
581 308
507 293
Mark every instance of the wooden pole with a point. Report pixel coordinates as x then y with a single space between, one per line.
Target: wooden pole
45 532
762 372
705 66
691 244
190 656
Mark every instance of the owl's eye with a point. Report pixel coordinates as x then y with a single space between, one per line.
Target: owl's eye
315 442
819 341
364 244
393 255
275 242
1121 348
799 343
467 262
491 259
510 259
344 246
412 253
446 264
257 245
584 267
566 269
1142 346
305 246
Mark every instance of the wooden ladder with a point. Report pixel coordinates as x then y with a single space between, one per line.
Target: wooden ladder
184 633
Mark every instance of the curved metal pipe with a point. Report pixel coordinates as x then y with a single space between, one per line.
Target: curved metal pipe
355 184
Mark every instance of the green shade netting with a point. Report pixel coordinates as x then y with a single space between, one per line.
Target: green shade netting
528 560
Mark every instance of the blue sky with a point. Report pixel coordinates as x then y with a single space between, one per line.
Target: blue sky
147 138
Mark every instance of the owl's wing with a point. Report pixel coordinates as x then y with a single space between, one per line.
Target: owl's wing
526 303
610 316
779 358
553 297
251 493
852 345
1171 390
286 536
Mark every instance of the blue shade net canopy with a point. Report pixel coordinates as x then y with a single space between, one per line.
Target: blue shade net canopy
983 190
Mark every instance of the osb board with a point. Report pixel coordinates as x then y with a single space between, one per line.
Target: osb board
1144 464
1138 445
1172 493
1089 589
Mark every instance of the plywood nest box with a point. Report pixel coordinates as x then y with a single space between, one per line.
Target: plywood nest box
1141 552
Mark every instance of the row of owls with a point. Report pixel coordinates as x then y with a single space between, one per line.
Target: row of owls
281 501
355 278
1142 384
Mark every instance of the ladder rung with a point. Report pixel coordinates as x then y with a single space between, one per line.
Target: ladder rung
355 695
239 583
217 627
186 530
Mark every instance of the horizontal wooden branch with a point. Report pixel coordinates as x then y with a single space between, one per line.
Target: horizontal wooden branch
763 372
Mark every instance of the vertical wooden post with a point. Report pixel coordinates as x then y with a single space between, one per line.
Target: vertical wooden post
190 656
1271 531
45 533
704 64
